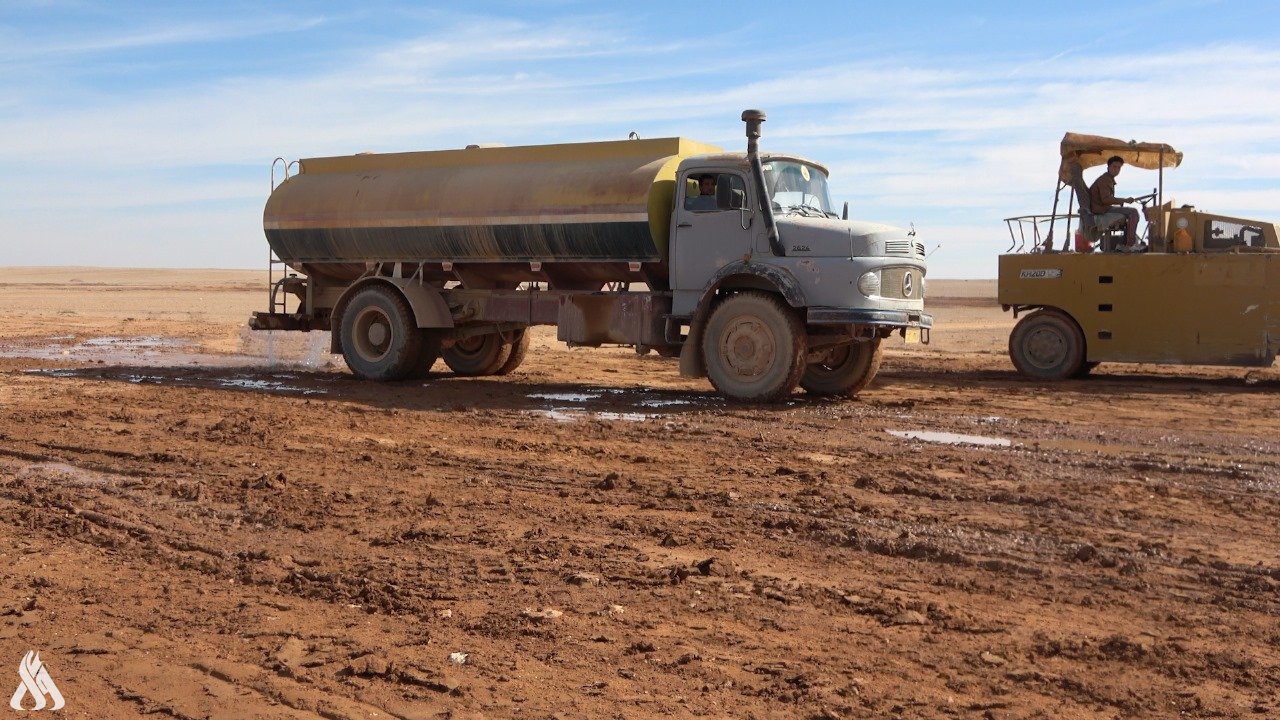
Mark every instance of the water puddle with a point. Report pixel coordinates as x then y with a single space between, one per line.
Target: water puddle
949 438
234 382
566 415
1143 457
264 385
256 349
625 416
110 348
561 413
663 403
566 396
145 379
144 343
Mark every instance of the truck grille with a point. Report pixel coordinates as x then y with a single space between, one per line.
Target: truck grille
903 247
894 284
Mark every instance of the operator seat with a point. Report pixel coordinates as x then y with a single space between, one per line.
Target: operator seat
1109 236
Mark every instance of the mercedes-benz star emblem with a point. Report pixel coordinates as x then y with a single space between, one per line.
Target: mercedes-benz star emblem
906 285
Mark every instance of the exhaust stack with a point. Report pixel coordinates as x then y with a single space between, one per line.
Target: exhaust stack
753 119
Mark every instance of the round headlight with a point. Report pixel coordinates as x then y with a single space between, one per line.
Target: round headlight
869 283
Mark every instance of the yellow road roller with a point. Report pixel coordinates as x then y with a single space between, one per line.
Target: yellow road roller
1198 288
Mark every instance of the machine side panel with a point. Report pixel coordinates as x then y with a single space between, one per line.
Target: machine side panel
1186 309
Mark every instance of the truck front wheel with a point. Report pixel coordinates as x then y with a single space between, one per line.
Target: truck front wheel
477 355
843 370
380 340
754 348
1047 345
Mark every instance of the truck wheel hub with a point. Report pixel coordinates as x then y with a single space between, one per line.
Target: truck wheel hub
748 347
372 334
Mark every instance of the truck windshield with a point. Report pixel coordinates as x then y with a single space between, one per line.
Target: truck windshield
797 187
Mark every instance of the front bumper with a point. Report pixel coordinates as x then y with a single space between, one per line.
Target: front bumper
882 318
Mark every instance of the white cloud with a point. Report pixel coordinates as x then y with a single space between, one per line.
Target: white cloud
954 143
20 47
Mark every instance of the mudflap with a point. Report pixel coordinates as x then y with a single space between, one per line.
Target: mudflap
692 364
282 321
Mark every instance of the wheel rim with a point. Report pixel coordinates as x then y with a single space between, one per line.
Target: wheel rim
372 334
1045 347
748 347
831 361
471 348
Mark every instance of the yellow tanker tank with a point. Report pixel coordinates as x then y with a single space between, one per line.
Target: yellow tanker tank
565 204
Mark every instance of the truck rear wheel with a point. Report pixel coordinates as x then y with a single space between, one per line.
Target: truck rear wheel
380 340
754 348
843 370
1047 345
477 355
519 348
427 356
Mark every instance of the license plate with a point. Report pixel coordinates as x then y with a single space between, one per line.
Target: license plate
912 335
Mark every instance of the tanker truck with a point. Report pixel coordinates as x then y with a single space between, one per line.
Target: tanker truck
735 262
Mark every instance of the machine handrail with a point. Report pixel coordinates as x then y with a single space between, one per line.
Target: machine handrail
1019 239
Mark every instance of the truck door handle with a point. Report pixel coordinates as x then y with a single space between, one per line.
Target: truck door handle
684 225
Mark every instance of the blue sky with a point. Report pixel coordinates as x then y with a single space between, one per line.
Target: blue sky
141 134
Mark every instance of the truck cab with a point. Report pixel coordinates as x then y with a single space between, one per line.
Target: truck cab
773 229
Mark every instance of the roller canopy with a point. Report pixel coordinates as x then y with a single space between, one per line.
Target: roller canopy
1085 151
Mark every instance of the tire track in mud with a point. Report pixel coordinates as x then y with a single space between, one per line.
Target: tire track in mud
935 575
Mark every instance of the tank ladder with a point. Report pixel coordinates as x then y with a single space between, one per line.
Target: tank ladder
275 298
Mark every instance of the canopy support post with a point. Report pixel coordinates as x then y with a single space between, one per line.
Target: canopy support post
1160 203
1070 207
1048 241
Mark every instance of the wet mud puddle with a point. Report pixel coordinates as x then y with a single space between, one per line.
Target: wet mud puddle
950 438
162 351
1150 457
562 411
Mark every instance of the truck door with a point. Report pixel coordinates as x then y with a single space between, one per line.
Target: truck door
713 227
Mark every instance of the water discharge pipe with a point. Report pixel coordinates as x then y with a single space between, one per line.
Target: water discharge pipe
753 118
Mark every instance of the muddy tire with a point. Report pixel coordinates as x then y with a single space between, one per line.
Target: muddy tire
477 355
1047 345
1085 369
754 347
519 349
427 356
380 339
843 370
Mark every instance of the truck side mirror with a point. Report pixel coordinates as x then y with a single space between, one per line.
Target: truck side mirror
845 215
724 194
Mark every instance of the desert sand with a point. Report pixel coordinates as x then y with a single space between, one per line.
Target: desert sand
200 521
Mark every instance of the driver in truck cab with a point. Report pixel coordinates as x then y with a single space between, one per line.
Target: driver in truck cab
706 198
1108 209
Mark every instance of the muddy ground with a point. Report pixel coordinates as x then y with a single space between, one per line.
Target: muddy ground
196 521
